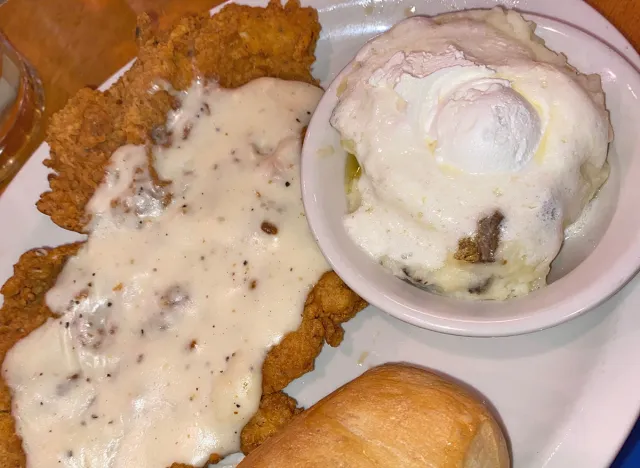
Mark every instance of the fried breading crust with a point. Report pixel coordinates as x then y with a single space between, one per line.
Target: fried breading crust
329 304
213 459
11 454
23 311
233 47
275 411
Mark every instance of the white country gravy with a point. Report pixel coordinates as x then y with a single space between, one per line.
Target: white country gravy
167 313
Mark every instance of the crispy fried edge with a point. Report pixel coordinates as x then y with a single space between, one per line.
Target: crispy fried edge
84 134
329 304
23 311
233 47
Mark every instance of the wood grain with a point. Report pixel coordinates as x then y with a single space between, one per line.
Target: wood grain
76 43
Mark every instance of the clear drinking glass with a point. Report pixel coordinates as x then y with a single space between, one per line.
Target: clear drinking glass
21 108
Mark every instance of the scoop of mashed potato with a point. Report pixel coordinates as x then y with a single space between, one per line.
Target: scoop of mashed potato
477 146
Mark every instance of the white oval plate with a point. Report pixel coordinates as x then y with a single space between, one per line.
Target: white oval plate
568 396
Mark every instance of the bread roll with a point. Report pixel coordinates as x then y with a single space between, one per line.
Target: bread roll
395 415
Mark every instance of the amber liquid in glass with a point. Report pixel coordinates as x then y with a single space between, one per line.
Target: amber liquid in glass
21 108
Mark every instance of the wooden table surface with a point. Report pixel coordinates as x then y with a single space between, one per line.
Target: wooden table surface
76 43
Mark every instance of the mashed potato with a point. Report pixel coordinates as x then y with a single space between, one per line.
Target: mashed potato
477 147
